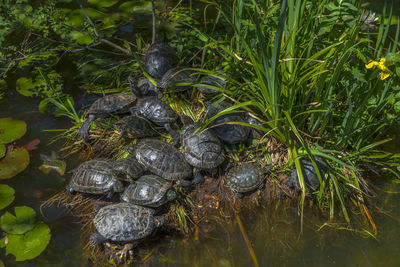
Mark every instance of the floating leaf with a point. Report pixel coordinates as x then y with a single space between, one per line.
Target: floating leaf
103 3
52 163
13 163
38 86
6 195
2 150
31 244
22 222
11 130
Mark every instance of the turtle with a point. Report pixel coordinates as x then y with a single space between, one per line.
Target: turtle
157 111
147 88
134 126
128 169
244 178
201 149
165 160
309 174
177 79
160 57
104 106
229 133
214 81
124 222
149 190
95 176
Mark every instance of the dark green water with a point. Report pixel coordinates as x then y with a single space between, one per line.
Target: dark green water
274 231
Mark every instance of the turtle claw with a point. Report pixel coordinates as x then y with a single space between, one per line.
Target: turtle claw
126 252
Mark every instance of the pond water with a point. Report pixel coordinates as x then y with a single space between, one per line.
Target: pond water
274 232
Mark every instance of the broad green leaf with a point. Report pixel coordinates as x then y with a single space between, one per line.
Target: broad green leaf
11 130
31 244
38 85
13 163
81 38
23 221
6 195
2 150
103 3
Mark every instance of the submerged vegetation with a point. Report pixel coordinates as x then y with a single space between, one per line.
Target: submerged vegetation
321 79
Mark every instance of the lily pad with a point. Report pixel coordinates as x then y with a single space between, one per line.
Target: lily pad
52 163
22 222
11 130
38 85
31 244
13 163
6 195
2 150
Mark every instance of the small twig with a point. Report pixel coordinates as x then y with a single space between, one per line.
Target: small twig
246 239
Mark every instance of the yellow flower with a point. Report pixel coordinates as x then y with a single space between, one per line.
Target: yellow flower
381 65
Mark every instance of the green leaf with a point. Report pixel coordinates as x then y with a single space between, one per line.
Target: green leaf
81 38
103 3
3 88
6 195
38 85
23 221
30 245
2 150
13 163
11 130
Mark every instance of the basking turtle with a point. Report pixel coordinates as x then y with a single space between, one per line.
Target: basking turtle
104 106
201 149
135 127
128 169
149 190
164 160
124 222
147 88
309 174
229 133
177 79
211 81
160 57
157 111
245 178
96 177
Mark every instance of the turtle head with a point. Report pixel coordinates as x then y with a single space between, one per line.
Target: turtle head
171 194
159 221
96 239
133 86
118 186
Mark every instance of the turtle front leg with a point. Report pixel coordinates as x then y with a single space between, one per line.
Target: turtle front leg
97 239
126 252
84 130
174 134
198 178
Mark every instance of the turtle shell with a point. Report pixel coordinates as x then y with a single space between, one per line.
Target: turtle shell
163 159
159 58
245 177
156 110
128 168
213 81
309 174
229 133
177 75
111 104
124 222
148 190
135 127
94 176
201 149
147 88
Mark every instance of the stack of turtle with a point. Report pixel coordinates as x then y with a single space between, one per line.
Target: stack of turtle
147 179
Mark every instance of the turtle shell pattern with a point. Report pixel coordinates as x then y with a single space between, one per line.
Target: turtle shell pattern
163 159
159 58
124 222
202 149
115 103
148 190
245 177
229 133
177 75
213 81
135 127
309 174
129 168
94 176
156 110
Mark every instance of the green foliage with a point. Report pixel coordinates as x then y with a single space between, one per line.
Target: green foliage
2 150
29 245
14 162
11 130
23 221
6 195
